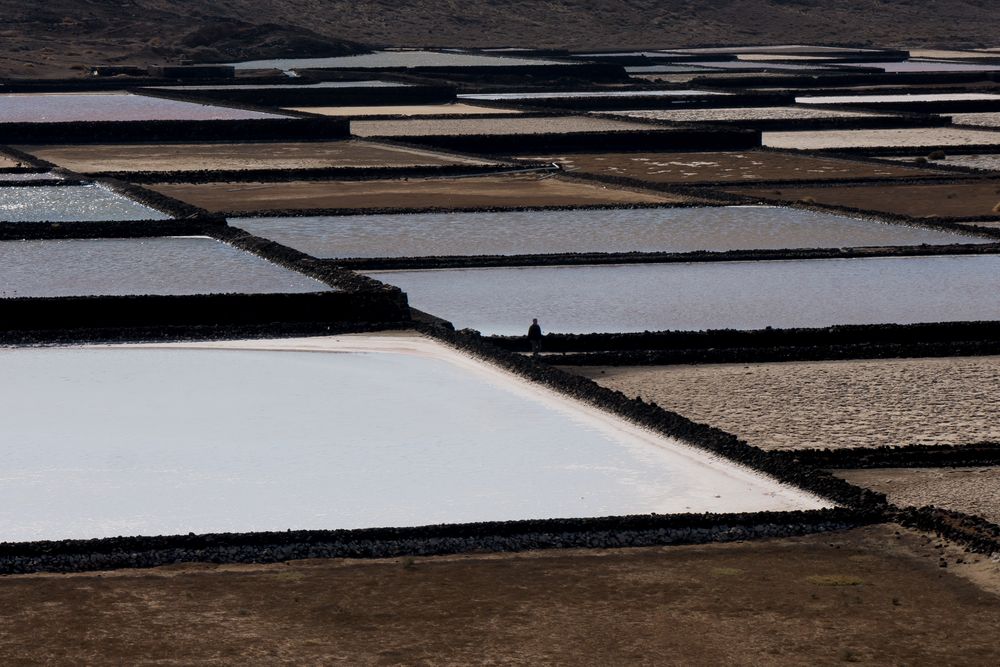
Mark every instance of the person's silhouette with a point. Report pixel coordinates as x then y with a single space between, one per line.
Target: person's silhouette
535 337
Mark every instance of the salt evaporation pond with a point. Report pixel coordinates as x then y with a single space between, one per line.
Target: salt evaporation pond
70 203
555 94
393 60
924 66
888 99
74 107
30 176
116 267
711 295
585 230
324 433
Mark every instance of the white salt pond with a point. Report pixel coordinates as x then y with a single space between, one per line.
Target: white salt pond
69 203
71 107
584 230
711 295
324 433
115 267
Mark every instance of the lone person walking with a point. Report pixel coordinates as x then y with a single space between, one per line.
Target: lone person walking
535 337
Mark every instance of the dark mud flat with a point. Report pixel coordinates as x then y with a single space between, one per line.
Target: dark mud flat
824 599
444 193
92 158
950 200
714 167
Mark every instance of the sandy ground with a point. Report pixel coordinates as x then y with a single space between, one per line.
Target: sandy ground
746 114
823 599
951 200
988 119
725 167
950 54
982 162
480 191
907 137
528 125
970 490
89 158
6 162
457 108
829 403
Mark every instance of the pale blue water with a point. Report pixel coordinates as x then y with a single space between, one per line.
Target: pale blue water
695 296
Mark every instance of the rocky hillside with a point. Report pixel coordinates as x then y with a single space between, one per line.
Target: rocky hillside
58 35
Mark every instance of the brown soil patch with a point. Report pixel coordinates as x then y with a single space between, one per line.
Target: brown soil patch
6 162
90 158
951 200
970 490
832 404
726 167
454 109
474 192
821 599
493 126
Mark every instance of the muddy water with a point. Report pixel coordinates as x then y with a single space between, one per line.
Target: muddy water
58 203
736 295
180 265
69 107
603 230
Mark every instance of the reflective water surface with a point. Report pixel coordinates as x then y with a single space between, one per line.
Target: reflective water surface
589 230
176 265
695 296
66 203
69 107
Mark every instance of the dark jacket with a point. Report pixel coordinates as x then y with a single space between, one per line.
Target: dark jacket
534 332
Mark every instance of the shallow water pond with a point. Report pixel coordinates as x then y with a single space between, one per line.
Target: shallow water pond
696 296
586 230
72 107
173 265
68 203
